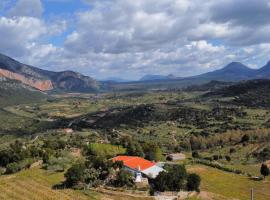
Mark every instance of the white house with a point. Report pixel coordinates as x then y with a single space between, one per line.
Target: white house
139 167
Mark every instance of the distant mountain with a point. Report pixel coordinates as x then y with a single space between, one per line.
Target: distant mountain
264 72
116 79
69 81
46 80
234 71
150 77
13 92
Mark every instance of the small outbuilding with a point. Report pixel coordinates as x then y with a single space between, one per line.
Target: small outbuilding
176 157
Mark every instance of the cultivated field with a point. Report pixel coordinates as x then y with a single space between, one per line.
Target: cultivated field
229 185
37 184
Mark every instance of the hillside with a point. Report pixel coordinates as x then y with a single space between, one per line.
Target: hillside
13 93
253 93
46 80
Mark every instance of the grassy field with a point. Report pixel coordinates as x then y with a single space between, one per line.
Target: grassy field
36 184
230 185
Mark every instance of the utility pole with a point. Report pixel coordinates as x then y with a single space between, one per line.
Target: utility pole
252 194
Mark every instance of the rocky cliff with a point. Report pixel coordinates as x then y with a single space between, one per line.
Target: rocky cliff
43 85
45 80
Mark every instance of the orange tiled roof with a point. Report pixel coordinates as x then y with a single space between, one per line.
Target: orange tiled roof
134 162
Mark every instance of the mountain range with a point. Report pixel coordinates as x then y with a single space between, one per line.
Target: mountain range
45 80
69 81
150 77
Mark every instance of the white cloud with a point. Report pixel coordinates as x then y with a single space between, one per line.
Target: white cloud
16 33
30 8
130 38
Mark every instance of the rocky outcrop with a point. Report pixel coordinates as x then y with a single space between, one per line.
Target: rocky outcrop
43 85
45 80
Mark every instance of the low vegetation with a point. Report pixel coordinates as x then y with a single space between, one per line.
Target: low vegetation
223 133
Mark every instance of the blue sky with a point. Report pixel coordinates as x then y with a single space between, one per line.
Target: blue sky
128 39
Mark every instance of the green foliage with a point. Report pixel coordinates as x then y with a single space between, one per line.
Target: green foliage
17 166
219 166
75 175
123 178
152 152
14 93
58 164
12 168
173 179
134 149
54 144
265 170
15 153
193 182
93 171
105 150
264 154
195 154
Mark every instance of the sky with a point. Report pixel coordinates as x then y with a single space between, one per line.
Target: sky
131 38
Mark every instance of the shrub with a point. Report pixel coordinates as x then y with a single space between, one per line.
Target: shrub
123 178
75 175
152 152
215 157
12 168
193 182
173 179
263 155
58 164
232 150
264 170
228 158
245 138
169 158
195 154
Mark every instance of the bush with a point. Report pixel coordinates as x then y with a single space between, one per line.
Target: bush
193 182
232 150
12 168
75 175
169 158
123 178
195 154
173 179
245 138
152 152
265 170
58 164
263 155
219 166
215 157
228 158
